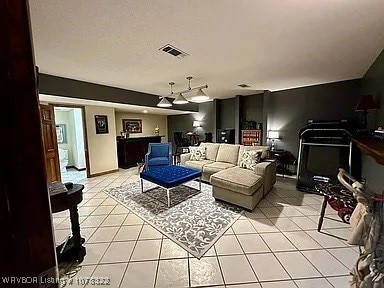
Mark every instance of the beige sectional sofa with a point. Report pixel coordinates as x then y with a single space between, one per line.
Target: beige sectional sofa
230 182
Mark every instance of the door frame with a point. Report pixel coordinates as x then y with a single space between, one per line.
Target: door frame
85 135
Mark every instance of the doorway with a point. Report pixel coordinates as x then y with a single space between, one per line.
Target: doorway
71 142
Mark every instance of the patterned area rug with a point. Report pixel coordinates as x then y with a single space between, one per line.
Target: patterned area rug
195 221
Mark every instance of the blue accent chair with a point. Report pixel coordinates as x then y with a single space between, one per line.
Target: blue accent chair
159 154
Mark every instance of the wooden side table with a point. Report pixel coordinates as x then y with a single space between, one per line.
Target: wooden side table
72 249
282 158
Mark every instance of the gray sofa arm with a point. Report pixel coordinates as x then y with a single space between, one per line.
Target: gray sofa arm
267 169
184 158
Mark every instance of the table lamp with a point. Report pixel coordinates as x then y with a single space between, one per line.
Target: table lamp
273 135
366 103
196 124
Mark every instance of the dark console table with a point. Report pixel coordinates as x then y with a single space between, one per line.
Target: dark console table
72 249
283 161
132 150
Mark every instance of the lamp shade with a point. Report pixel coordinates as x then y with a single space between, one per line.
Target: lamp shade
164 103
273 134
200 96
366 103
196 124
180 99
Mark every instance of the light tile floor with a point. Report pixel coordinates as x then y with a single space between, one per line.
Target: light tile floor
276 245
72 175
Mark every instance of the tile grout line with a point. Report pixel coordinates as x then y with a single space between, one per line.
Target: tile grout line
129 260
158 262
249 262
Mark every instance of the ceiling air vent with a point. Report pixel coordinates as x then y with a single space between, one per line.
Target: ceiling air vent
244 85
172 50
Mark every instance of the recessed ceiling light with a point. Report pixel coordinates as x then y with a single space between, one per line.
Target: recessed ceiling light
243 85
145 111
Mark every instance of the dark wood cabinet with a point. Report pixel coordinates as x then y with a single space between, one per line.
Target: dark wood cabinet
131 151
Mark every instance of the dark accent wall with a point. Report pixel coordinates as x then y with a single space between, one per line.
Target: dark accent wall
373 83
183 123
252 108
286 111
59 86
238 109
289 110
226 113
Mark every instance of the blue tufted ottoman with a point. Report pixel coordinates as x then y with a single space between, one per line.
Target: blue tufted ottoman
170 177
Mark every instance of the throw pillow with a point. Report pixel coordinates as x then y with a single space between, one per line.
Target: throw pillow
263 153
250 158
197 153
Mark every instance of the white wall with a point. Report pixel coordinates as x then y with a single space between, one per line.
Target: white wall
75 136
64 117
78 140
101 147
149 122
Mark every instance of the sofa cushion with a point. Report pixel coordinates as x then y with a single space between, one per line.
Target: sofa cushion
216 167
228 153
211 150
237 179
264 149
197 164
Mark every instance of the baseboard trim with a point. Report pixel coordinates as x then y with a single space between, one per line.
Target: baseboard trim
78 169
103 173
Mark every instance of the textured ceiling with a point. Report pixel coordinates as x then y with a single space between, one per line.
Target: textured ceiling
267 44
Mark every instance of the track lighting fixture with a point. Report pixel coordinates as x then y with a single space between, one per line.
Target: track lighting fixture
200 96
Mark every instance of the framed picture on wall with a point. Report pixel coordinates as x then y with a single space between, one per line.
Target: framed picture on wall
133 125
101 123
61 133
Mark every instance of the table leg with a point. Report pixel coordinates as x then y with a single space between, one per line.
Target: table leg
200 183
76 237
75 226
321 218
169 200
142 186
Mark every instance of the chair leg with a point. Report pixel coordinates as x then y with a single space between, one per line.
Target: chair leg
321 218
169 200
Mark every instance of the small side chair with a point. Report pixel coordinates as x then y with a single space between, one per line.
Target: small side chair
159 154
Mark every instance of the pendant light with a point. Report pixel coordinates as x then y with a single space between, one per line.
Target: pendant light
200 96
180 99
164 103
